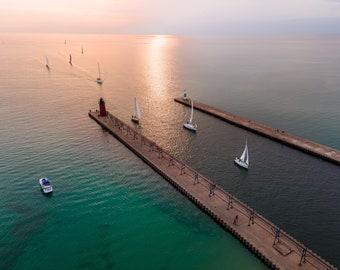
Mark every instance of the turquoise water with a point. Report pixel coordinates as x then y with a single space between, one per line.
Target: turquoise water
111 211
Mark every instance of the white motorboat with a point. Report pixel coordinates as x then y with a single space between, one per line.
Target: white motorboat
45 185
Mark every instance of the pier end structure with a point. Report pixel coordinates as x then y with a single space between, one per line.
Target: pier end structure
272 245
307 146
102 109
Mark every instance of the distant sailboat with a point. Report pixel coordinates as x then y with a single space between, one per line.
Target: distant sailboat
190 125
70 61
47 65
243 160
136 113
99 80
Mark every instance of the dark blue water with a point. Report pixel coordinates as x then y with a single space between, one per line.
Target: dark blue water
109 210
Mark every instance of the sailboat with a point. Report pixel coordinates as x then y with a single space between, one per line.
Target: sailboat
47 63
243 160
70 60
190 125
136 113
99 80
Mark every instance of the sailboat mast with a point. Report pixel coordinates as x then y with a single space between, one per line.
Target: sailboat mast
138 110
244 153
134 108
99 70
247 155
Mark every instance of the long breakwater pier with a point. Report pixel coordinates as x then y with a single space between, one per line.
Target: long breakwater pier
276 248
310 147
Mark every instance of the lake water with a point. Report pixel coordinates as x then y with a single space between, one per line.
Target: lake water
109 210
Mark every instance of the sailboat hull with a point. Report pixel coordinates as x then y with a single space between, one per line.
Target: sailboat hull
192 127
135 119
241 163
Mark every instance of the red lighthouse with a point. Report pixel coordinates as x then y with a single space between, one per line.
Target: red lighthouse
102 110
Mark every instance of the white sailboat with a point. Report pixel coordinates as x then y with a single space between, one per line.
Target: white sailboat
47 65
190 125
243 160
99 80
136 113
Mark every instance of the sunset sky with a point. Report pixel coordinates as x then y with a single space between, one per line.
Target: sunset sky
171 17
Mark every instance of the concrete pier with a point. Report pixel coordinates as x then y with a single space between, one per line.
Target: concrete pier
276 248
310 147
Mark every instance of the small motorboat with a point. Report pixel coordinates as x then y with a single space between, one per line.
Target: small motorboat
45 185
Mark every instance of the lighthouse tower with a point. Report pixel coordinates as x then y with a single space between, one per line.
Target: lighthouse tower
102 110
185 95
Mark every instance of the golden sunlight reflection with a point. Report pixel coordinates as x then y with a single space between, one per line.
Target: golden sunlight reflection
160 65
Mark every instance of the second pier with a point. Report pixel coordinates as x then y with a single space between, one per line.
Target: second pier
310 147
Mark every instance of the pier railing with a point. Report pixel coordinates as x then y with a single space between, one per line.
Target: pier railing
282 241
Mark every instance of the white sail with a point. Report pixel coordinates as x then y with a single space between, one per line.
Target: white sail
47 65
99 71
137 109
134 109
136 112
243 160
192 112
245 157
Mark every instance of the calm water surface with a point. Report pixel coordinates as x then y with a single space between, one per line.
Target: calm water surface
111 211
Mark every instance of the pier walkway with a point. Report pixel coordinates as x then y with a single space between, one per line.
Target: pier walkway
276 248
316 149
